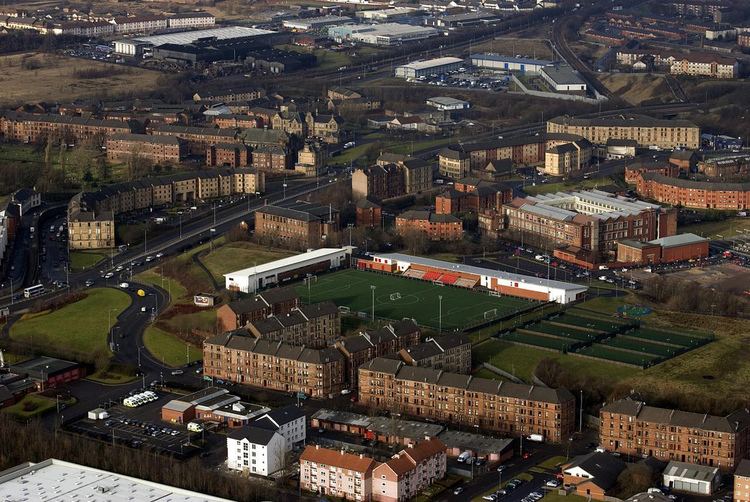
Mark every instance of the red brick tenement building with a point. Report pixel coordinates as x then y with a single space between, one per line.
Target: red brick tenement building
505 407
632 428
238 357
436 227
157 149
228 154
299 225
693 194
31 128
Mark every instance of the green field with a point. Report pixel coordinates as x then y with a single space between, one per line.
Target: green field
239 255
30 406
419 299
79 328
81 260
564 186
169 349
550 342
563 331
605 352
623 342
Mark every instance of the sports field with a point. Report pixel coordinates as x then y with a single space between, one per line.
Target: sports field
399 297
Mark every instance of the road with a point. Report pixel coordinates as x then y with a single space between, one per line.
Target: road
185 237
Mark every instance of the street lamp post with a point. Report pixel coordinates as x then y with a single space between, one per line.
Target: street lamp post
440 314
373 302
145 241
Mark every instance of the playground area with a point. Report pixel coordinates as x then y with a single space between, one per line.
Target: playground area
430 304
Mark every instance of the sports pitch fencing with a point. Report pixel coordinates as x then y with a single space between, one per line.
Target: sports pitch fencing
398 297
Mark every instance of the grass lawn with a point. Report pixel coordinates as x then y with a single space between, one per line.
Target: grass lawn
239 255
110 378
167 348
419 299
80 327
81 260
552 463
730 227
489 374
564 186
204 320
152 276
31 405
521 361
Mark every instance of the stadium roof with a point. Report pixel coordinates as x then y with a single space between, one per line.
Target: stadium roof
188 37
264 268
469 269
54 479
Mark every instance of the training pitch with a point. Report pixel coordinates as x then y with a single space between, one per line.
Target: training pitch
398 297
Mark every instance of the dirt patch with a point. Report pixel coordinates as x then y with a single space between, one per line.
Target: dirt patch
724 277
531 48
638 87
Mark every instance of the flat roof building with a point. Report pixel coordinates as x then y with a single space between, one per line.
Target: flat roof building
691 478
385 34
448 103
54 479
563 78
313 23
508 63
254 278
129 47
422 68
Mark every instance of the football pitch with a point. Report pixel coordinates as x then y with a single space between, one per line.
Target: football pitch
398 297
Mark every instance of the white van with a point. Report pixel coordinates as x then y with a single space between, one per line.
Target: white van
464 457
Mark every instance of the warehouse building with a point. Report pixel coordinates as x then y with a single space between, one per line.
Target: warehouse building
446 103
691 478
54 479
224 36
508 63
562 78
279 271
385 34
433 66
313 23
680 247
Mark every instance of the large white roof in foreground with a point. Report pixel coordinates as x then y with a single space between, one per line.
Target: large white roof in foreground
188 37
272 266
53 480
469 269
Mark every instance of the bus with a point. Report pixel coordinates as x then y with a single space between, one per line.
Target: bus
33 291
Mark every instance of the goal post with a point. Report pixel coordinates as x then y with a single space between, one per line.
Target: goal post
438 283
490 314
395 296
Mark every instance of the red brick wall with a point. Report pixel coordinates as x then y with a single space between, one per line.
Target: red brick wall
687 252
178 417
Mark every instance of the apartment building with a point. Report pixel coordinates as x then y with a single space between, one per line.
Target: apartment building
299 225
633 428
311 159
436 227
336 473
182 187
450 353
474 195
237 357
157 149
31 128
235 121
289 421
290 123
693 194
228 154
378 182
695 64
191 20
200 138
647 131
87 228
590 221
369 214
270 158
410 471
256 450
364 346
140 24
509 408
454 162
271 302
742 481
315 326
562 160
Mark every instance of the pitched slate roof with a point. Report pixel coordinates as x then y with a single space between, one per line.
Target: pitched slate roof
602 467
335 458
254 434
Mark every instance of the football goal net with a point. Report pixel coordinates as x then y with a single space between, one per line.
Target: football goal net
438 283
395 296
490 314
344 309
495 293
